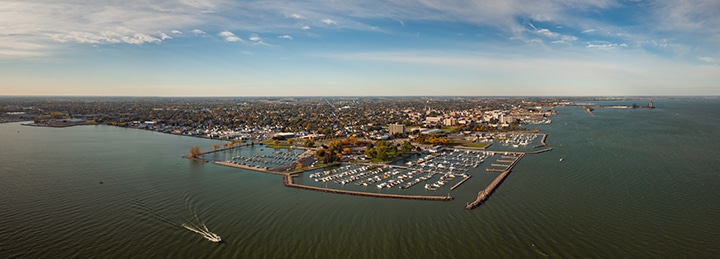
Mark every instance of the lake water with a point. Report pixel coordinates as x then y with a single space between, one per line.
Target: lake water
632 183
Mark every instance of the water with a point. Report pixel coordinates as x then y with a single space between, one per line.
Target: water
632 183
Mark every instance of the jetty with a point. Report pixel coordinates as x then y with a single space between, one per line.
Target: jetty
484 194
288 182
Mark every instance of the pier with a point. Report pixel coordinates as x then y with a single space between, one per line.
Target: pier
461 182
484 194
288 181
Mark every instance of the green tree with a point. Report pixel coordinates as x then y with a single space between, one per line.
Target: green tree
371 153
406 147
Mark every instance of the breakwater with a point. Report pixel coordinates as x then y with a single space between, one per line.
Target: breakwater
484 194
288 182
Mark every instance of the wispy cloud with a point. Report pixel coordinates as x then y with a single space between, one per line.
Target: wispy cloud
708 59
120 35
230 37
257 40
287 37
52 23
164 36
605 45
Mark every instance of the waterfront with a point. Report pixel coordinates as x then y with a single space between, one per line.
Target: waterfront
632 183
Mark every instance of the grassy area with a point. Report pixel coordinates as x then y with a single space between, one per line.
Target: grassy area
281 144
448 129
466 143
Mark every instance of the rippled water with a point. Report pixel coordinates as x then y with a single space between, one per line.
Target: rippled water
633 183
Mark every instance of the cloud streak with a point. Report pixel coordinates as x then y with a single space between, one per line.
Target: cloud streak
230 37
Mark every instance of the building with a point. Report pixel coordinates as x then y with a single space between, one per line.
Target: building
432 120
450 122
396 129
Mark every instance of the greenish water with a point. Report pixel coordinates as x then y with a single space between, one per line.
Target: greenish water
632 183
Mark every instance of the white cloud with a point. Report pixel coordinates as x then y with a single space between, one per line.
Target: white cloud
601 46
547 33
164 36
119 35
255 37
230 37
708 59
51 22
287 37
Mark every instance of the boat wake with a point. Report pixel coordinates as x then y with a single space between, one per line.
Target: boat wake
194 224
203 231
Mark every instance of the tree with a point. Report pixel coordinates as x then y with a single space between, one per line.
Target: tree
290 141
371 153
276 142
309 143
299 165
215 146
406 147
195 152
320 152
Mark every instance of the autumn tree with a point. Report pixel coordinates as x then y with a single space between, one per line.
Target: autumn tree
195 152
215 146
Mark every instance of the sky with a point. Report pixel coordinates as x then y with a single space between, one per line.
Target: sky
360 48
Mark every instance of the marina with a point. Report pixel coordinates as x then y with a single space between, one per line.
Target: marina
412 178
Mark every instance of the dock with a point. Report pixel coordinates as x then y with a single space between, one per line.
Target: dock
484 194
461 182
288 182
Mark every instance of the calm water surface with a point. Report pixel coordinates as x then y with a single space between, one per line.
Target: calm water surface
633 183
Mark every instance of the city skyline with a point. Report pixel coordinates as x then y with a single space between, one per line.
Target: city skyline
368 48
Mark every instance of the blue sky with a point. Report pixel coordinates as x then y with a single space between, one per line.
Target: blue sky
359 48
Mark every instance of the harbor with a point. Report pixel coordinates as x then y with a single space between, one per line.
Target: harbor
421 176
